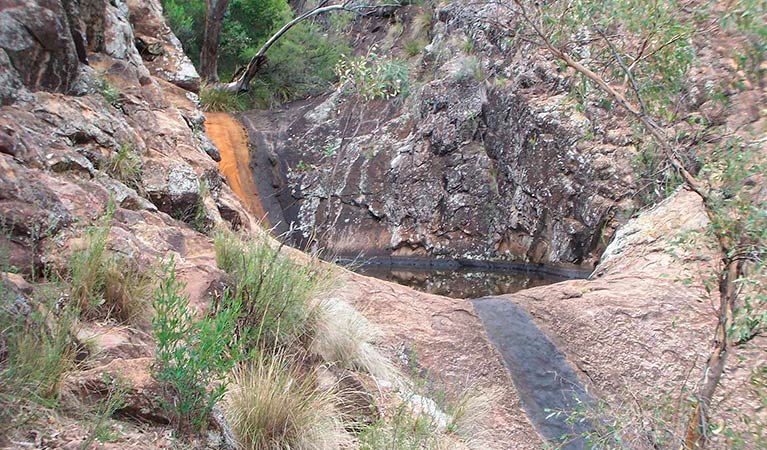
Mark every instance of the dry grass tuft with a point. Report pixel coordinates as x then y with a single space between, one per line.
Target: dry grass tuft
127 291
344 336
471 414
272 405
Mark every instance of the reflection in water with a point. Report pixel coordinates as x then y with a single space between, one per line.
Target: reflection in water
461 283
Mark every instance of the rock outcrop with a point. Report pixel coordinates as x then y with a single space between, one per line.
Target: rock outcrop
487 157
640 329
124 135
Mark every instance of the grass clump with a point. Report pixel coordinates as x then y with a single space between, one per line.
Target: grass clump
102 285
36 349
344 336
470 69
272 405
275 291
192 357
414 47
125 165
214 99
101 429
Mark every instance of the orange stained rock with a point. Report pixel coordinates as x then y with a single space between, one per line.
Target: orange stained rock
232 141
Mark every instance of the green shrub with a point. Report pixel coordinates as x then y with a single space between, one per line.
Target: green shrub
273 405
275 292
193 357
374 76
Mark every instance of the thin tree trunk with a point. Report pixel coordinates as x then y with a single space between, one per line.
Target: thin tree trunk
214 21
695 436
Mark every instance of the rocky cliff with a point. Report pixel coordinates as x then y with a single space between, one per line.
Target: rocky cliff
483 156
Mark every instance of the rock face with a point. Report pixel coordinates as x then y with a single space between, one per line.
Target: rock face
37 47
641 328
486 158
128 135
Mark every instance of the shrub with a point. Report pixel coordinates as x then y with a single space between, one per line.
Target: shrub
374 76
192 358
272 405
274 290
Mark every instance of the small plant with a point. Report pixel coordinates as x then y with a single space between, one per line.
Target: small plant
468 46
215 99
330 149
373 76
302 167
414 47
273 405
125 165
471 68
101 429
86 274
200 220
403 430
127 290
109 92
192 358
102 285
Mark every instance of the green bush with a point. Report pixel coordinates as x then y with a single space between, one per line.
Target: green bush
374 76
193 357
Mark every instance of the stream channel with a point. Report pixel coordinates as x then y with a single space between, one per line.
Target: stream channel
541 373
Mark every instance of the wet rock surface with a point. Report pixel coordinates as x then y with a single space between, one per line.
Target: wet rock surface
545 381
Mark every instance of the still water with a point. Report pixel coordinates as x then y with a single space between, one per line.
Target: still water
462 282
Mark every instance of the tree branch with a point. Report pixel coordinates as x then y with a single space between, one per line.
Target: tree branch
243 81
